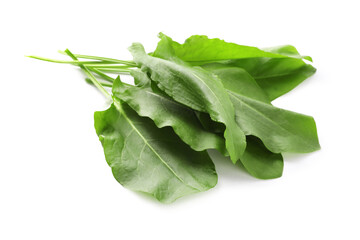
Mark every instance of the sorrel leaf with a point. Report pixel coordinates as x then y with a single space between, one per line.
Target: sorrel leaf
197 89
277 70
199 49
260 162
166 112
205 93
147 159
276 76
280 130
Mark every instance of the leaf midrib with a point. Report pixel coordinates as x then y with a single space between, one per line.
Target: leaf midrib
218 100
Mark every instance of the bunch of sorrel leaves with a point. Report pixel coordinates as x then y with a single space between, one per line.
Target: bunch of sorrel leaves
187 98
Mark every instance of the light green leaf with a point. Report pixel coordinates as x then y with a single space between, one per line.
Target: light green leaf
287 50
152 160
277 69
200 49
195 88
166 112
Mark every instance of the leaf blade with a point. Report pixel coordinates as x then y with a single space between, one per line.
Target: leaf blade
151 160
280 130
260 162
277 70
200 48
166 112
275 76
195 88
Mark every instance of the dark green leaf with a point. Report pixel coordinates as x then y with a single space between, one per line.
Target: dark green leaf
152 160
276 76
209 124
260 162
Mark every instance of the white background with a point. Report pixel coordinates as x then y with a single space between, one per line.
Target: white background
54 181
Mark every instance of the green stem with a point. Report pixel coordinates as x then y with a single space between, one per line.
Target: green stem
114 70
89 74
131 63
76 62
90 64
101 74
109 65
104 84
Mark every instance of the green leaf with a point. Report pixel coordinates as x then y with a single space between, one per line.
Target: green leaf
276 86
238 80
199 49
195 88
166 112
209 124
260 162
287 50
277 70
280 130
257 159
276 76
152 160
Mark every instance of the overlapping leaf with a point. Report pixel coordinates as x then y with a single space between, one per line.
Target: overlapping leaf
277 70
195 88
166 112
276 76
203 94
279 129
257 159
199 49
260 162
151 160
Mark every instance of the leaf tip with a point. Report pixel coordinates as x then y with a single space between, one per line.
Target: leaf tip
308 58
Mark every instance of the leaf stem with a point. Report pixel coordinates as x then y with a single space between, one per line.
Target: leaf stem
89 74
131 63
75 62
114 70
108 65
101 74
104 84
